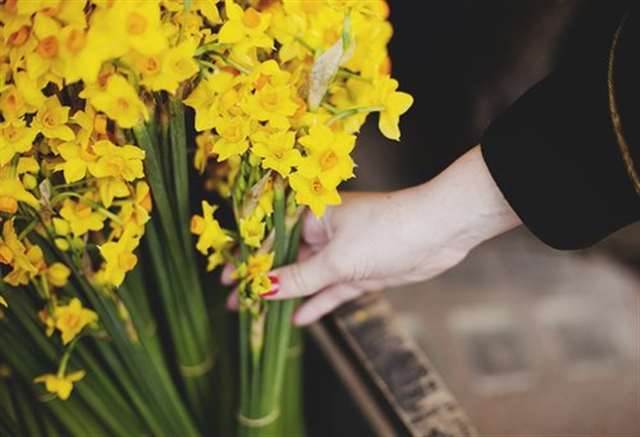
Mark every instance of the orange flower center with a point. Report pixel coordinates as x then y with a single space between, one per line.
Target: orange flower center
49 119
19 37
136 24
316 186
328 160
251 18
76 41
83 211
48 47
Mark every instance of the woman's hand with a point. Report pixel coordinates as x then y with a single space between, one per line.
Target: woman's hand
377 240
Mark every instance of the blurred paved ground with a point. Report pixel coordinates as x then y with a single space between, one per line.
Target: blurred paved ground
533 341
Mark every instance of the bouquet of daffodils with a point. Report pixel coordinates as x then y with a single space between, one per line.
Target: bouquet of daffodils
115 117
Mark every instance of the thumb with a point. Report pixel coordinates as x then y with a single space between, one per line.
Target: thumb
303 278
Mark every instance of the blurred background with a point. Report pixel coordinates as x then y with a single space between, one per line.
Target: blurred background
530 340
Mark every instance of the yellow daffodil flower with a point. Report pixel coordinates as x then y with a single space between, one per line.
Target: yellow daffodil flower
395 104
11 192
312 192
259 264
119 101
327 155
176 65
60 385
58 274
51 120
76 160
118 257
72 318
15 138
245 30
277 151
121 162
210 234
81 217
233 140
252 229
136 25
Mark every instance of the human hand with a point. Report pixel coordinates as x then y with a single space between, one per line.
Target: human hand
377 240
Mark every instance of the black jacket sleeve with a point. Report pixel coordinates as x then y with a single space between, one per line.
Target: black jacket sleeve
554 154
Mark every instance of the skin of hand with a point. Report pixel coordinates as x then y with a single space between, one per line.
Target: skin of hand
377 240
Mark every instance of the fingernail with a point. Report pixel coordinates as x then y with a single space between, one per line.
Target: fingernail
275 285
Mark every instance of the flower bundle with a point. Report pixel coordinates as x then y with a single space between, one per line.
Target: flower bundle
115 116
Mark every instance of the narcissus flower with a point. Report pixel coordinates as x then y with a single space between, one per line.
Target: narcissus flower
395 103
51 120
233 140
210 233
81 217
72 318
312 192
328 155
119 101
15 138
252 229
60 385
119 258
11 192
277 151
58 274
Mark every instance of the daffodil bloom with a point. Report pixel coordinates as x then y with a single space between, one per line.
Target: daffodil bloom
11 192
47 32
15 138
119 101
72 318
3 302
51 120
136 25
245 30
277 151
212 97
395 104
117 161
81 217
259 264
119 258
252 229
328 156
58 274
204 150
60 385
14 253
312 192
233 140
177 64
76 160
136 211
272 103
210 234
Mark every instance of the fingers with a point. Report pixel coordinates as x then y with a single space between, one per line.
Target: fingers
325 302
303 277
232 301
226 277
315 231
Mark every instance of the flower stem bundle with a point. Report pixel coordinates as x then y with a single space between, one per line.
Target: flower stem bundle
127 129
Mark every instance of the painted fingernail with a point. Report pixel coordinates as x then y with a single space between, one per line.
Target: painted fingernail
275 285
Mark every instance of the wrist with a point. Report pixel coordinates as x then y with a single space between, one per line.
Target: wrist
470 205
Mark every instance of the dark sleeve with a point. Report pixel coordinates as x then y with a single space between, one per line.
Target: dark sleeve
554 153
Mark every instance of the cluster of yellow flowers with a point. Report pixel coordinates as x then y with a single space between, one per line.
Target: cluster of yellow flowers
291 83
279 89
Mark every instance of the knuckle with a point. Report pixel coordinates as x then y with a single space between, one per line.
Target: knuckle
298 282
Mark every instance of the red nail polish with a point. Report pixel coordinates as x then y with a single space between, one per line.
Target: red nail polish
275 285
